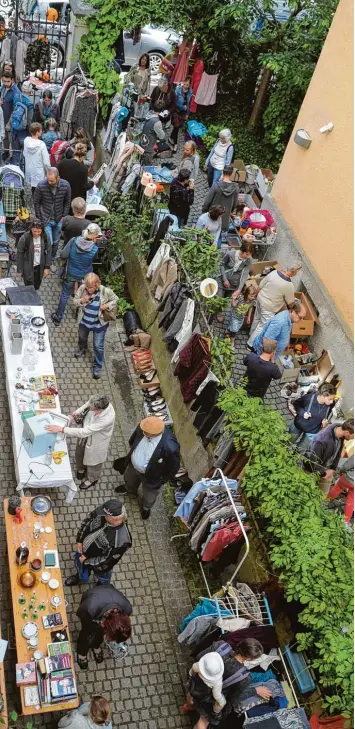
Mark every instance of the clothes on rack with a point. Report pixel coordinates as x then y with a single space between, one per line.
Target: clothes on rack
217 512
38 56
163 278
159 237
16 49
85 111
193 365
178 293
185 509
204 402
110 134
182 66
162 254
205 606
181 327
197 628
281 719
195 82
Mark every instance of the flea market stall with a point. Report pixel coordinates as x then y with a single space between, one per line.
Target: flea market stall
41 460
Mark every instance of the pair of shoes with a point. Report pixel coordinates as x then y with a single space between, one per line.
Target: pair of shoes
55 320
79 353
98 655
148 377
82 662
96 375
163 416
158 409
145 513
121 489
152 392
72 580
155 401
87 484
142 354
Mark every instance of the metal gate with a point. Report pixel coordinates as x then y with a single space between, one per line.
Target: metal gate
44 22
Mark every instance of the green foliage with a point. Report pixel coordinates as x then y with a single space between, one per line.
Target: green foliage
216 305
129 230
197 254
20 721
222 359
248 145
309 546
116 282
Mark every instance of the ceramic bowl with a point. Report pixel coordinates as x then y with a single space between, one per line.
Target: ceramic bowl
53 584
46 576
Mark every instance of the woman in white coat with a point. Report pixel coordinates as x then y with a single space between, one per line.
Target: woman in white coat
97 420
36 156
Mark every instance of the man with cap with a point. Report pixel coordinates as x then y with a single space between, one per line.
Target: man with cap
102 540
154 457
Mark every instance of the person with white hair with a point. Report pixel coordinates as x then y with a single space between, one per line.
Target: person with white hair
102 540
220 156
96 421
96 306
79 253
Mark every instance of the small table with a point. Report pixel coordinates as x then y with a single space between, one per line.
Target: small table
15 534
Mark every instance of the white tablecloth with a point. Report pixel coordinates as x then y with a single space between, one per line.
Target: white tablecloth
42 476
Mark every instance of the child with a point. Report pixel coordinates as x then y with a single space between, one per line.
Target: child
205 685
240 307
51 134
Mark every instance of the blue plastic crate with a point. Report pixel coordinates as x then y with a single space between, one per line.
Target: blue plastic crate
300 671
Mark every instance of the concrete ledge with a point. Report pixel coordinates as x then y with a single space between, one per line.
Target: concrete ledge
195 458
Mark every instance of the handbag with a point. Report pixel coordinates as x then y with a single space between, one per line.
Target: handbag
79 417
108 315
119 464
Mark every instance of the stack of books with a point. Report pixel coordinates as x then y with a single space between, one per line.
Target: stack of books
56 683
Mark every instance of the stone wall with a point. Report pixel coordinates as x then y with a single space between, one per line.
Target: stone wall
195 458
332 333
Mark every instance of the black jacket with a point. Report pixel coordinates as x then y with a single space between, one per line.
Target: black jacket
324 452
181 199
76 174
49 206
165 461
99 600
73 226
25 256
109 547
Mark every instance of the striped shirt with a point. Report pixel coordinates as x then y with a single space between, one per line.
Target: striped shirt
90 317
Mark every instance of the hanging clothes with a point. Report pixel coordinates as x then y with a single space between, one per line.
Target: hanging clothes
159 237
178 293
182 66
38 56
193 365
181 327
110 133
164 278
195 82
162 254
186 507
69 104
21 52
206 94
85 112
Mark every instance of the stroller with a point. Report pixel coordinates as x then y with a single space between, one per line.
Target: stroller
12 189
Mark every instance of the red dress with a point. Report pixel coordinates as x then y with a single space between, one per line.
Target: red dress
195 82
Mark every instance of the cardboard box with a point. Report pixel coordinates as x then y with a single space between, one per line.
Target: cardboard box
257 198
240 174
323 367
268 174
289 375
258 267
305 327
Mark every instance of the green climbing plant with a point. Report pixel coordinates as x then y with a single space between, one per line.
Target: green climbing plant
116 282
308 545
222 359
198 255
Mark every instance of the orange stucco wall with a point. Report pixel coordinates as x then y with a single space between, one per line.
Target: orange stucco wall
314 187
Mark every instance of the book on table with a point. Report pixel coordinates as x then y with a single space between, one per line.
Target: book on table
26 673
58 649
62 685
31 696
57 663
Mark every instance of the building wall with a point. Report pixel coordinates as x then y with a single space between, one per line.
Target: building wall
314 188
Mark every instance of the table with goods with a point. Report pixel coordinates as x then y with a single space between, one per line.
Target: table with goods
45 665
41 458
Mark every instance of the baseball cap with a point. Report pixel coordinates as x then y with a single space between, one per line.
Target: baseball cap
112 507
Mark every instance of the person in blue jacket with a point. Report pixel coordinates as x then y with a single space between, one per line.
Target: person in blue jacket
183 94
21 119
279 328
9 95
220 156
79 253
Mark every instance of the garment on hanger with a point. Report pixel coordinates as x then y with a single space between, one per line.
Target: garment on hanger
195 82
178 293
182 66
224 449
68 105
220 539
110 134
161 255
266 634
85 111
159 237
206 94
196 629
38 56
206 606
21 52
210 378
204 403
187 505
164 278
181 328
193 365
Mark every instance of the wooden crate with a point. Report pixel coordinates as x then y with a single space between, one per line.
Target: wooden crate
305 327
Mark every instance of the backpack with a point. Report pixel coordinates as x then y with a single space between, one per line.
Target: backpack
58 151
19 117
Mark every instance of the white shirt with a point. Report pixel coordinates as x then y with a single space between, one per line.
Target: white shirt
37 250
219 155
143 452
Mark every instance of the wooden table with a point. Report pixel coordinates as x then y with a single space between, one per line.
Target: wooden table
15 534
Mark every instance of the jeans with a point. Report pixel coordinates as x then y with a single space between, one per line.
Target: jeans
53 231
341 485
99 344
68 288
213 175
17 140
302 440
84 572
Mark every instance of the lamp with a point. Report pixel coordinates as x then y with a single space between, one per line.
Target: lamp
302 138
208 288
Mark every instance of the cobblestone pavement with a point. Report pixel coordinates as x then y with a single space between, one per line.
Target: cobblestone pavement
147 689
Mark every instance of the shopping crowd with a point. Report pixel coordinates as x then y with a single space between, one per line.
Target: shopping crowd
58 171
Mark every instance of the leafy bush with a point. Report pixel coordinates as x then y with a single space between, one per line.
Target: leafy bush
309 546
199 257
116 282
222 359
